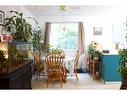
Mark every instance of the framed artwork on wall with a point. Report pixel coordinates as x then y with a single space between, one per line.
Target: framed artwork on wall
1 18
97 31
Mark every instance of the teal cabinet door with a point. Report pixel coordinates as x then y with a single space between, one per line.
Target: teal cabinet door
109 65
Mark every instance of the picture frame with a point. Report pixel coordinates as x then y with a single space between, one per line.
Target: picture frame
97 31
1 18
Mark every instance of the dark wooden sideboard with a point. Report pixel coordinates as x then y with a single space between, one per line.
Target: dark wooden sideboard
17 78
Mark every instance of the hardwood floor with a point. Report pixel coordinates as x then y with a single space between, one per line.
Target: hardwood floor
85 82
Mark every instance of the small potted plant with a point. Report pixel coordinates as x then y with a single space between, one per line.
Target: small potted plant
96 55
92 50
3 60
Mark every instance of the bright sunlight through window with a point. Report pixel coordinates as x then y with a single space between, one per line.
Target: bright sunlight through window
64 35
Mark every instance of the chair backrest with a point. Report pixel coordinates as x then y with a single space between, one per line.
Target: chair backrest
62 53
76 58
54 62
37 59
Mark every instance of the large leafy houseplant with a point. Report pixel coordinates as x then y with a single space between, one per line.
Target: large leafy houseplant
18 27
37 36
122 69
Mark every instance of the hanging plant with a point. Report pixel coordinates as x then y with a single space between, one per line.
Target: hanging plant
18 27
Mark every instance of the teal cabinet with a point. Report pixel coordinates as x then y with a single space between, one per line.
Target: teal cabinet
109 65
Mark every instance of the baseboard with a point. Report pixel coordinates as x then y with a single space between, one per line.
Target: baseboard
111 82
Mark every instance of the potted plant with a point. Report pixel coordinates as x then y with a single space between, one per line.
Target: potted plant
18 27
37 37
92 49
3 60
96 55
122 69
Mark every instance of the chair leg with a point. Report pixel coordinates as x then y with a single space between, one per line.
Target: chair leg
47 81
61 81
36 75
39 74
76 75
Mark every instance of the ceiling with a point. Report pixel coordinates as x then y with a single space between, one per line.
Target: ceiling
70 10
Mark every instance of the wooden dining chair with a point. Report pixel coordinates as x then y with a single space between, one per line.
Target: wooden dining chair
74 65
75 62
38 66
54 64
62 53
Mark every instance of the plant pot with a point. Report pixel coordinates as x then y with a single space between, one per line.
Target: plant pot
124 82
96 58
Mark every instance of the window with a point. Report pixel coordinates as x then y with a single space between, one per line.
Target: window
64 35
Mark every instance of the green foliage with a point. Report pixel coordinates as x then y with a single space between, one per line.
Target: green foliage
55 50
18 27
122 69
2 57
96 53
123 56
37 35
92 47
92 50
36 40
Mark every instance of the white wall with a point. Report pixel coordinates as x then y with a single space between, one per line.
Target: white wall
99 21
6 10
119 31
